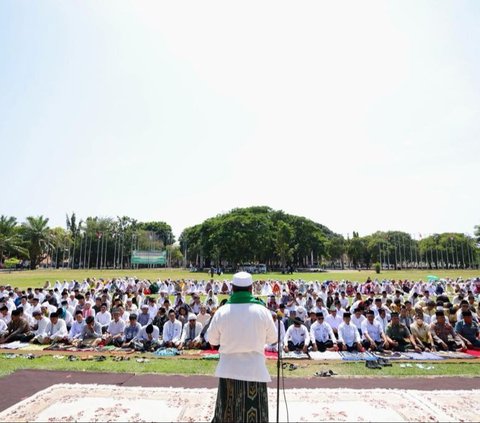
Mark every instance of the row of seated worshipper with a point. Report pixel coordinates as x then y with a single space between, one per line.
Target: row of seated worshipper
87 332
364 331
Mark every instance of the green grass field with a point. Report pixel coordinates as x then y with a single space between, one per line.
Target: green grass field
189 366
37 278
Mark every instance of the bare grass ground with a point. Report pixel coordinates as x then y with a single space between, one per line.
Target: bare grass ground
197 366
37 278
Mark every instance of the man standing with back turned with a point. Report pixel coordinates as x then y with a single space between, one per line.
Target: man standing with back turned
241 328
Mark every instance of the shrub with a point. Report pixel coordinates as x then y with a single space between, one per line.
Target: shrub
11 263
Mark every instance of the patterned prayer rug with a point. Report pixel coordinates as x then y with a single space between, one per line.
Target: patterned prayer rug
101 403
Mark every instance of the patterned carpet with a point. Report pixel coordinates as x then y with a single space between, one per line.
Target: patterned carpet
101 403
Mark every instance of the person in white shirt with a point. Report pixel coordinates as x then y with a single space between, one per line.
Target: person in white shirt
130 307
172 331
191 333
77 326
373 334
382 318
333 320
348 336
343 300
203 317
152 308
357 319
3 328
103 317
115 330
195 304
297 337
241 328
27 308
320 307
41 323
56 331
147 338
5 315
273 347
322 336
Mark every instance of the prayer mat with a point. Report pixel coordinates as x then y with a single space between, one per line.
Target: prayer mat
35 347
392 355
327 355
474 353
454 355
166 352
294 355
424 356
102 403
209 352
211 357
271 355
14 345
357 356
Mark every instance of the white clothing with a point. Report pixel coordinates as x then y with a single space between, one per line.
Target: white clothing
383 322
56 331
103 318
374 330
186 331
203 318
142 334
172 331
297 335
41 326
115 328
334 322
348 334
358 321
322 332
242 330
76 329
274 346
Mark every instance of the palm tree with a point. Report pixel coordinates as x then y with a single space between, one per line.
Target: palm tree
10 240
37 235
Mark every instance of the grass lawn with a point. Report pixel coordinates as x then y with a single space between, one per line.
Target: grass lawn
37 278
190 366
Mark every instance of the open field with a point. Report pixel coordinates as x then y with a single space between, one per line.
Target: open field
189 366
36 278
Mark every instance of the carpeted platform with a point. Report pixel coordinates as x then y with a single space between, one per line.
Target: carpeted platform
84 403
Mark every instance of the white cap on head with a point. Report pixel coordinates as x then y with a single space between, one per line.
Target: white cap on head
192 316
242 279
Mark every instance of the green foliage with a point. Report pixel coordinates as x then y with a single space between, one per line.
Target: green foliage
36 234
11 242
377 267
11 263
256 235
162 231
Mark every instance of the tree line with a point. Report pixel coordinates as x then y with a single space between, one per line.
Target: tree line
278 239
96 242
250 235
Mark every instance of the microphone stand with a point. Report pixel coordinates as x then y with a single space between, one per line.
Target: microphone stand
279 321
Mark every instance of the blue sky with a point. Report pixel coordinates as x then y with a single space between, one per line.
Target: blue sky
359 116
